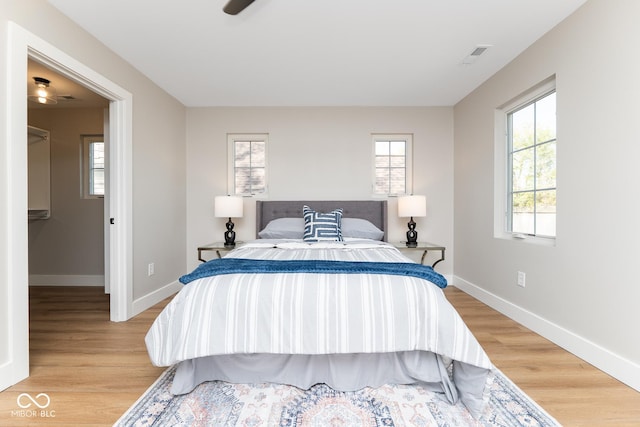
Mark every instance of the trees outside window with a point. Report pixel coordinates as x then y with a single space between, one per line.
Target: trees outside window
531 136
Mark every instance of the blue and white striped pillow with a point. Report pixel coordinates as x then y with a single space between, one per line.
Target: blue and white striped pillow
322 226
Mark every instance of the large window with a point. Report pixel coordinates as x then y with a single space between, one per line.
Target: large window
392 164
531 136
92 166
247 164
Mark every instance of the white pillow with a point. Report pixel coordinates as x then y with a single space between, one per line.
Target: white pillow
293 228
283 228
361 228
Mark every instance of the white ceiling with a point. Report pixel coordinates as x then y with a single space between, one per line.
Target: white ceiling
317 52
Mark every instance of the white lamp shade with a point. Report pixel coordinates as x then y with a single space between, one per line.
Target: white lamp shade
228 206
412 206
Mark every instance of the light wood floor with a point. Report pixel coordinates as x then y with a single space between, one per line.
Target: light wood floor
93 369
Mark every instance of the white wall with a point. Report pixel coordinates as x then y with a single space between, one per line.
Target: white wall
158 166
318 153
583 292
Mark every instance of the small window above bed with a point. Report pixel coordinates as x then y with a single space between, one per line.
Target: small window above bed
247 164
392 164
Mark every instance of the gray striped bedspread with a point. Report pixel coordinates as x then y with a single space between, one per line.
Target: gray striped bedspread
305 313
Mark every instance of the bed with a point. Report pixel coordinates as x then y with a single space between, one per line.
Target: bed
293 307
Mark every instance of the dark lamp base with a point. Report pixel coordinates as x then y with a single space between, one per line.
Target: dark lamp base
229 236
412 235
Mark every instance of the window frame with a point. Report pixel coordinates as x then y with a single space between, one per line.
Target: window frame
232 139
503 173
86 166
408 162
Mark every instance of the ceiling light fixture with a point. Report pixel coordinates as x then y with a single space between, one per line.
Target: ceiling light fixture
43 92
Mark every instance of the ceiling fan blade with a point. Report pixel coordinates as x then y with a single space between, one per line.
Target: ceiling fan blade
234 7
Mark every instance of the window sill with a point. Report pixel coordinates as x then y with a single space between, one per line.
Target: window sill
528 239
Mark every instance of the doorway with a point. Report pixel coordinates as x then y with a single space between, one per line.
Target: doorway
14 333
117 210
67 244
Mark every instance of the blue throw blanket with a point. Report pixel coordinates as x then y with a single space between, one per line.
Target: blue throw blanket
242 265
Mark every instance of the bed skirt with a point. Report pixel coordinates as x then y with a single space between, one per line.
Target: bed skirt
343 372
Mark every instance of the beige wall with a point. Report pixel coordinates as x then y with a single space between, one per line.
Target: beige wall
583 292
319 153
71 241
158 144
158 164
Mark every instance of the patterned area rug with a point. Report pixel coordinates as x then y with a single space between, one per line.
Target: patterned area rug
222 404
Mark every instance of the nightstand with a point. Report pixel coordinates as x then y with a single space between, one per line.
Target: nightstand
425 247
218 246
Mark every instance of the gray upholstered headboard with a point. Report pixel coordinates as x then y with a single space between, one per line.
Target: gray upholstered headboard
371 210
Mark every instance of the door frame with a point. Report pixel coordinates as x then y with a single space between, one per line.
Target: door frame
22 45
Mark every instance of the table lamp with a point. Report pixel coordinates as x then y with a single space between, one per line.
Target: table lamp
410 206
229 207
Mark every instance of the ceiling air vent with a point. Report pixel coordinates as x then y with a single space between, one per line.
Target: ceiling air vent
473 56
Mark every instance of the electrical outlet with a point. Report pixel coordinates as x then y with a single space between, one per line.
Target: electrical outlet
522 279
151 269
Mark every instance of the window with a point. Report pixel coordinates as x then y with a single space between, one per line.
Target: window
92 166
531 175
392 164
247 164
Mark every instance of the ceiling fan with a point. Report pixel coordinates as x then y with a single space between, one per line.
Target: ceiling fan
234 7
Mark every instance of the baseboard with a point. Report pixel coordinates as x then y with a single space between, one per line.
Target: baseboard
12 372
65 280
618 367
152 298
